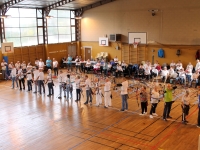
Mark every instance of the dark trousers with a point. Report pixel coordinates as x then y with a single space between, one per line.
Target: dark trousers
198 121
21 82
78 94
50 87
153 108
29 84
88 96
55 71
185 109
167 109
144 107
41 85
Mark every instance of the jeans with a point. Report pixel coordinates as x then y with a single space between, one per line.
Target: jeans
88 96
21 82
167 109
50 87
68 92
36 85
41 85
124 102
69 66
29 84
188 78
78 67
13 82
4 74
55 71
78 94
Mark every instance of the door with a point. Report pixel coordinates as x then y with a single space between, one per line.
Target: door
88 51
72 51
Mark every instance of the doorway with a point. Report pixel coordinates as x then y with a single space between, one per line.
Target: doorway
87 53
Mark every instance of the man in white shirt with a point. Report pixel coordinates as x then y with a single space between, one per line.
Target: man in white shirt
62 85
29 80
35 75
195 79
3 68
124 94
21 79
40 79
179 65
78 64
164 74
41 64
197 68
181 76
36 62
88 90
107 93
17 65
55 67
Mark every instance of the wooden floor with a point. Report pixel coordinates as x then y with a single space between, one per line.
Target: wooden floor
32 122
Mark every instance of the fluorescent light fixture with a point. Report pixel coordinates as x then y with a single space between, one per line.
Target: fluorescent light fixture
5 16
49 17
78 17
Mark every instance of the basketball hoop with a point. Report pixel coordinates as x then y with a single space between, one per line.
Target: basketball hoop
135 44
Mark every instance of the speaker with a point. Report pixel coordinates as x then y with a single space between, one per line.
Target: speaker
178 52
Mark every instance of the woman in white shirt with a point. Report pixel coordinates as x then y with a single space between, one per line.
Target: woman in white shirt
50 83
154 102
13 75
55 67
97 66
179 65
107 93
119 70
78 64
98 92
21 79
185 106
41 64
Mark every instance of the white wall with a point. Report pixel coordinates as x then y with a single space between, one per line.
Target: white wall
177 22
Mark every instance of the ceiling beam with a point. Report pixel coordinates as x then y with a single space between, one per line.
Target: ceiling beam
55 5
79 12
5 7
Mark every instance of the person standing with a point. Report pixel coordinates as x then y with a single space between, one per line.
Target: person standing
88 90
62 86
13 76
143 100
21 79
50 83
78 64
40 79
107 93
167 102
35 76
154 102
78 88
197 67
10 65
69 62
48 63
124 94
3 68
41 64
69 87
29 80
98 92
36 62
185 107
55 67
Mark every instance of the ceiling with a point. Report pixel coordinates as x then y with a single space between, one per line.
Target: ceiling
70 5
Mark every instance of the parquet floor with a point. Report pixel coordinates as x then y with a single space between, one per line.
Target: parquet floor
32 122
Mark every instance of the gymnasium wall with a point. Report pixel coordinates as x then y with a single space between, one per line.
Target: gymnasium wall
176 23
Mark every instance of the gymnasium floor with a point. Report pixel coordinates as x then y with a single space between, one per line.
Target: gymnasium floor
32 122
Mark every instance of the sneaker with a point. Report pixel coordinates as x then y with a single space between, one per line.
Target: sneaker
105 107
125 110
121 109
85 103
49 95
76 100
154 114
183 122
198 126
151 116
141 114
164 119
59 97
169 117
35 92
145 113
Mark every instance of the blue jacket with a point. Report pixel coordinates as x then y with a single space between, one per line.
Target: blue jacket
161 53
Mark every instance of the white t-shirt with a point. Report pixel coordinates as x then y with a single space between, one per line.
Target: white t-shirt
88 64
115 59
186 100
3 65
77 82
172 64
13 72
107 86
77 60
197 66
37 62
124 88
17 65
23 65
55 64
41 64
61 78
165 72
49 78
147 70
29 76
20 74
41 76
87 84
154 97
35 74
